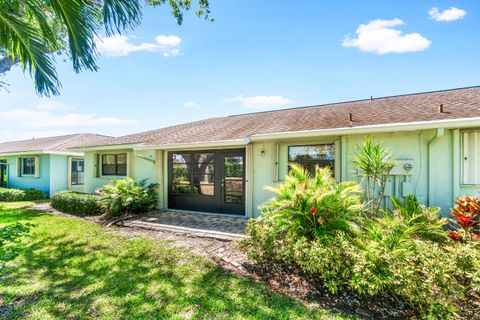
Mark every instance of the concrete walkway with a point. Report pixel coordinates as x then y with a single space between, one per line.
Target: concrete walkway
196 224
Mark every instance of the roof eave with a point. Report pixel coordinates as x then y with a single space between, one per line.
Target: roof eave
30 152
107 147
392 127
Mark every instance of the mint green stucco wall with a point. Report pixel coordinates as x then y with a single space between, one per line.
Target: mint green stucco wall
137 168
58 173
42 182
53 176
435 177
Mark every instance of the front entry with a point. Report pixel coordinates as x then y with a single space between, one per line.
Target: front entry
207 181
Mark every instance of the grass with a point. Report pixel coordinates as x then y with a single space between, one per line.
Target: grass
74 269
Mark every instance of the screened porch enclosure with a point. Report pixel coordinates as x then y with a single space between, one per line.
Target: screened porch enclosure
207 181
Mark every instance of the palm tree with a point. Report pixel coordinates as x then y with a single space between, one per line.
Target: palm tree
32 31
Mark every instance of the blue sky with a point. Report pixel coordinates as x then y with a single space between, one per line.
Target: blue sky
256 55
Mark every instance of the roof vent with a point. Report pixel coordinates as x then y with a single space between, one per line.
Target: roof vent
371 98
441 109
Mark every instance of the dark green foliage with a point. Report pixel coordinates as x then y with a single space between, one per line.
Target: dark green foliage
317 224
126 196
77 203
12 195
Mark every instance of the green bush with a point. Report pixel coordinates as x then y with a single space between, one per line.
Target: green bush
13 195
404 250
81 204
125 196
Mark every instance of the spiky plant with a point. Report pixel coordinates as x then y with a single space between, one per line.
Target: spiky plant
374 163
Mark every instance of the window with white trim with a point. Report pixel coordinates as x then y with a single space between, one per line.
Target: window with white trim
27 166
471 157
311 156
114 164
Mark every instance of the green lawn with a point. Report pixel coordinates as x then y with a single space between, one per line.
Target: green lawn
74 269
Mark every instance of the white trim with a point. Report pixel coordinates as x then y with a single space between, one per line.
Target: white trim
62 153
195 145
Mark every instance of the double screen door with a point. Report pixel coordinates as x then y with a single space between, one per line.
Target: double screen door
207 181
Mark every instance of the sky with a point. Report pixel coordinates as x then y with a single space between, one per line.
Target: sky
255 56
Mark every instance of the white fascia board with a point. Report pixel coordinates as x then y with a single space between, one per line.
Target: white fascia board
196 145
36 152
108 147
393 127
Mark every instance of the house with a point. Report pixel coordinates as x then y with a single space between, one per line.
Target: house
45 164
221 165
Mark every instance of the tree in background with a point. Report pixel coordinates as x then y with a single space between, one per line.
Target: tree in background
32 32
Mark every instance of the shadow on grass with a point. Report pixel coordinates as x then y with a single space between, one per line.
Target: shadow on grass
90 273
18 214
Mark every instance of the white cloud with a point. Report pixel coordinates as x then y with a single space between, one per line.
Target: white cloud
379 36
260 102
191 104
120 45
447 15
170 41
47 119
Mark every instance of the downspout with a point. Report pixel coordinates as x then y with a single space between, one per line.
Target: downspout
439 133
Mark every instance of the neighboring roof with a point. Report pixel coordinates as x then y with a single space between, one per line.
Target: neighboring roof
456 103
51 144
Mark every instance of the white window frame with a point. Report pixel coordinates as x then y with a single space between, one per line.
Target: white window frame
100 165
34 174
466 155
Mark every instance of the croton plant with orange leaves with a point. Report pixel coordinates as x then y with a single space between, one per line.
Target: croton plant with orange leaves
466 219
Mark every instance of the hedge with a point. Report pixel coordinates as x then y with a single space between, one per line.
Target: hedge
12 195
81 204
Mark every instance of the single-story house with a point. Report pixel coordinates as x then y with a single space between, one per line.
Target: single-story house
221 165
45 164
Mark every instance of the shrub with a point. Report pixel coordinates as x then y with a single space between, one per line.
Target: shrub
126 196
404 250
13 195
76 203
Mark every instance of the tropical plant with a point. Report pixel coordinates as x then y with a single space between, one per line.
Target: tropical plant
466 222
127 196
31 31
374 163
312 205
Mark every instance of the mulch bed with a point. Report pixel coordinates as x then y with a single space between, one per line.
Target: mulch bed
312 292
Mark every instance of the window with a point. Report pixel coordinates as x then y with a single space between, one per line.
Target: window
28 166
77 172
3 173
193 173
114 164
471 157
322 155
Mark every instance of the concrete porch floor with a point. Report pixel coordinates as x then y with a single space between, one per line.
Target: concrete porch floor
195 224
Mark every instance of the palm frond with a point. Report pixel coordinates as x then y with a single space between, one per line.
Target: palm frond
81 20
21 40
119 15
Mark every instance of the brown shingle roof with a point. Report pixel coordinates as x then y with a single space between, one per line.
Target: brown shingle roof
457 104
59 143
